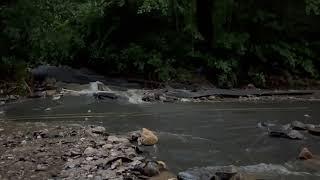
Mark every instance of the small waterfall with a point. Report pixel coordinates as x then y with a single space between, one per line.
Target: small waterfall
134 96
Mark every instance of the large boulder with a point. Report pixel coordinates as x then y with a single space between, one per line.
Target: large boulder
148 138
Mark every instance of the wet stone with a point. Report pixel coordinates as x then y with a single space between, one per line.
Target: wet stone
98 130
294 134
151 169
297 125
314 131
305 154
226 172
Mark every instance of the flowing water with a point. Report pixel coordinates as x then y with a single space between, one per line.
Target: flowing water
191 134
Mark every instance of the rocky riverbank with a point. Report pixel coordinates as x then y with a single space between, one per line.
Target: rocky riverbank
40 151
55 82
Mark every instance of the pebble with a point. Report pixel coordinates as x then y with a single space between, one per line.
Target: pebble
89 158
90 176
56 97
41 167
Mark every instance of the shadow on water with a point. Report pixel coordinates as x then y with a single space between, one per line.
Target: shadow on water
191 134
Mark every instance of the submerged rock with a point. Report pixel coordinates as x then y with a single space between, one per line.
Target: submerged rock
297 125
314 131
294 134
305 154
226 172
148 138
285 132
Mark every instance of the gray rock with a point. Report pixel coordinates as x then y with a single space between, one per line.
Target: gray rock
107 146
297 125
133 136
89 151
151 169
294 134
41 134
226 172
277 131
116 164
314 131
310 126
113 139
285 132
41 167
98 130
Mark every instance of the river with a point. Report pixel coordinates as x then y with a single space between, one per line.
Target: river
191 134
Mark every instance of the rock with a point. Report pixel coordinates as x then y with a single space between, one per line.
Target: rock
212 98
113 139
105 95
151 97
41 134
151 169
164 175
89 151
277 131
305 154
285 132
51 92
116 164
74 153
98 130
307 116
56 97
314 131
226 172
294 134
310 126
38 94
107 146
297 125
148 138
134 136
162 164
41 167
89 158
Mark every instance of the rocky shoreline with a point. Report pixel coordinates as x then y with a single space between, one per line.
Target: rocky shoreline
55 82
39 151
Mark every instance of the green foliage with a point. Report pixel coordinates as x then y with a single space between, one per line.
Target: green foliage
313 7
166 39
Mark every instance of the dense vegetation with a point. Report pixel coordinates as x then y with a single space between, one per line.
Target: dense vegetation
231 42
